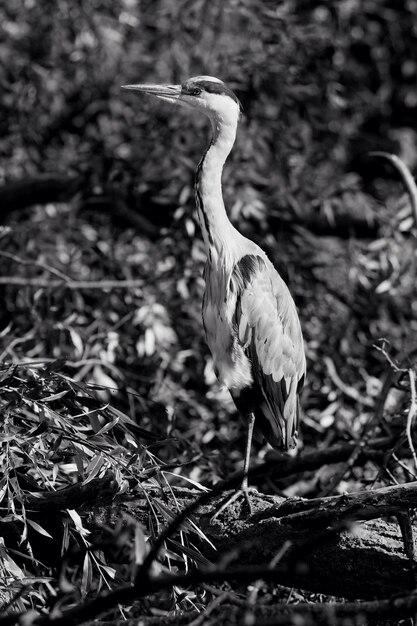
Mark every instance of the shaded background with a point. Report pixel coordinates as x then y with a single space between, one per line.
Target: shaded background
97 184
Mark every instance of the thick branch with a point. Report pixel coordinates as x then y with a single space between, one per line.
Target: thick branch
74 496
18 195
336 558
320 512
366 563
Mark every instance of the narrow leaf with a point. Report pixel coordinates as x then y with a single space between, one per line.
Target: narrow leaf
39 528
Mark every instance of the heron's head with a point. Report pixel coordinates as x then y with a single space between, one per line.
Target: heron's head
206 93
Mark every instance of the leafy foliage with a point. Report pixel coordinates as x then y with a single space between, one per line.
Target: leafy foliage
117 301
58 434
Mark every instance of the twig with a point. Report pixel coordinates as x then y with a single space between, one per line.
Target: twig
365 434
253 596
404 466
389 380
282 467
411 414
32 262
395 366
338 476
397 606
387 610
39 283
126 594
15 342
349 391
7 605
201 619
337 613
204 498
406 176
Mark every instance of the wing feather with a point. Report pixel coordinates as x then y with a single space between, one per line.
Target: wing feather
244 329
269 331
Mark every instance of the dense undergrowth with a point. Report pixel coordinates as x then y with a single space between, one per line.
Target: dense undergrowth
104 364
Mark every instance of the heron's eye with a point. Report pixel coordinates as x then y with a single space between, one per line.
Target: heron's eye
196 91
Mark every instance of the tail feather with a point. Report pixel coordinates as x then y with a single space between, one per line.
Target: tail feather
278 413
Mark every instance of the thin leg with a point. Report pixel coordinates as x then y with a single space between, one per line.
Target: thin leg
251 424
244 489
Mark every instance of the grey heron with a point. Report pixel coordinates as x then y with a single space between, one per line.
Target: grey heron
249 316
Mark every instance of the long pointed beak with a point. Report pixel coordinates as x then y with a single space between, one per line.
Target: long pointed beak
169 93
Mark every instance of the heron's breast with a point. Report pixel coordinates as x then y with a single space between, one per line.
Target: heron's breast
231 364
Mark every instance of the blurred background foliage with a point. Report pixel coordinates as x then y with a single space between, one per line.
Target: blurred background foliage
101 256
320 83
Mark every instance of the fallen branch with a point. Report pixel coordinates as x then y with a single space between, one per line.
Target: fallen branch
322 553
367 505
284 573
324 556
367 563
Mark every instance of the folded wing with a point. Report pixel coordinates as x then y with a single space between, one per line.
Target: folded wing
267 326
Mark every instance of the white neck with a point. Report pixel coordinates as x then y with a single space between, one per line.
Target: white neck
218 232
